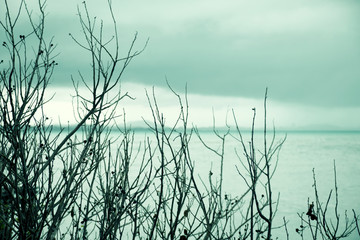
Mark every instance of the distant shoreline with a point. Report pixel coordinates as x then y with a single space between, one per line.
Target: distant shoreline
224 129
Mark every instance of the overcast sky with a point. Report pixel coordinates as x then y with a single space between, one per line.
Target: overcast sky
227 52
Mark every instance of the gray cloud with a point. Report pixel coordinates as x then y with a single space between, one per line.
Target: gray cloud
308 55
306 52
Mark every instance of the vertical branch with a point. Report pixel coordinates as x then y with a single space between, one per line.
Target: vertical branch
268 173
159 135
356 219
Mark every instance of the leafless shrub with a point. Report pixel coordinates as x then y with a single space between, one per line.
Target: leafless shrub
259 167
320 222
81 182
44 172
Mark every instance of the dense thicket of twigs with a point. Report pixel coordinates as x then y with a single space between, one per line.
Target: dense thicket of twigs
82 183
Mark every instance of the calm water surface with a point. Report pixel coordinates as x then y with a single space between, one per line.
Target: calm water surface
301 153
